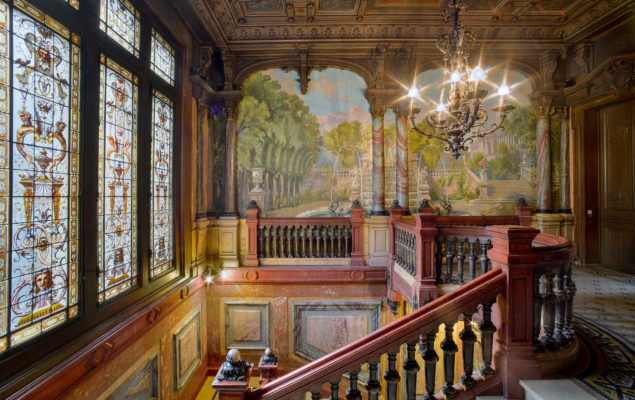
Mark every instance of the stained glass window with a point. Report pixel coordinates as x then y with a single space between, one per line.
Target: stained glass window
74 3
117 206
39 166
120 20
161 208
162 58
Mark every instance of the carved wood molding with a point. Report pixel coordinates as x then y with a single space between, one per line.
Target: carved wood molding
69 373
302 274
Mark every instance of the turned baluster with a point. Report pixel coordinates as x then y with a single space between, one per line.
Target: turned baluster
296 232
261 239
537 307
561 298
274 241
353 393
310 234
289 241
398 245
332 240
281 236
471 258
267 241
316 393
449 348
548 310
338 234
570 290
430 357
324 241
411 368
460 260
468 338
303 241
373 386
483 256
413 254
391 376
439 259
349 235
487 341
315 235
335 387
449 259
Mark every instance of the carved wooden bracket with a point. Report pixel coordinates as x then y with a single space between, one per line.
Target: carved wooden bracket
229 66
100 354
378 56
153 314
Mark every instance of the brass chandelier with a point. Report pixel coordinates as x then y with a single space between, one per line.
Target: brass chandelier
460 116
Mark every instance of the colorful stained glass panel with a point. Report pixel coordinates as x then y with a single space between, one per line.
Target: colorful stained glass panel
162 58
120 20
39 89
117 206
162 209
74 3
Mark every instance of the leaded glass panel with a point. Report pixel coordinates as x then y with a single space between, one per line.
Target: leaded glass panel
120 20
39 166
117 206
162 58
161 209
74 3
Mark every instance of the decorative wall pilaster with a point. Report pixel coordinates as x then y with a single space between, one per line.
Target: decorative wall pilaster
401 115
543 154
565 181
379 195
231 173
202 153
209 179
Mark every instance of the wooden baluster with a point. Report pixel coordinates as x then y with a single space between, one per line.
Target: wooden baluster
332 240
338 234
430 358
449 348
261 238
471 259
316 393
537 307
487 341
560 297
449 259
274 241
296 232
335 387
289 241
483 256
310 234
347 239
303 241
325 236
391 376
281 241
318 241
460 257
548 310
439 258
413 254
267 241
468 338
373 386
570 290
353 393
411 368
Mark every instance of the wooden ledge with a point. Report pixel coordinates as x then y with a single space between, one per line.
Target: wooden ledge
333 274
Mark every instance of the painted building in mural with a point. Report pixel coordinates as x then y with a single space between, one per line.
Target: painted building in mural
310 155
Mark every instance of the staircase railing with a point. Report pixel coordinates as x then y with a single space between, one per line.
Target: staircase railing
504 301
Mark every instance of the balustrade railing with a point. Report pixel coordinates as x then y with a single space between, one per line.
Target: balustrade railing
271 239
529 281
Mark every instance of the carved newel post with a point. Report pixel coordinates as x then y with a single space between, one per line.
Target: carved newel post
356 225
252 234
231 381
268 366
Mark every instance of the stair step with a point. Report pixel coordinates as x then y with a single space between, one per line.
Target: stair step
553 389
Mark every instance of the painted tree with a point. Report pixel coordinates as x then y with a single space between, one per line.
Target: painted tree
345 140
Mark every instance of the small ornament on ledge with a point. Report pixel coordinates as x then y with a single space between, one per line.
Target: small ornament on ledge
521 202
234 369
269 358
425 204
356 205
395 205
252 205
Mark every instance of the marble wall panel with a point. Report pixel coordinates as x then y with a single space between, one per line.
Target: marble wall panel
247 325
187 350
142 383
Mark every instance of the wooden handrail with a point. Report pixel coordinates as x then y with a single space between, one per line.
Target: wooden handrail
304 221
391 336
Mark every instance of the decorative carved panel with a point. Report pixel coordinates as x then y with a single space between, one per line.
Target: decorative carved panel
247 325
187 350
142 384
320 328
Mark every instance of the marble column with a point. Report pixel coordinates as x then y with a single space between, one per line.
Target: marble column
402 157
565 200
379 195
231 172
543 159
201 162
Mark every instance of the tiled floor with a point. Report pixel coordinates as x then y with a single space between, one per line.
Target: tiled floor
606 297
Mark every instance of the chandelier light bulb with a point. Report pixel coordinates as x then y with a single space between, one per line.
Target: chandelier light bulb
503 90
413 92
441 108
455 76
477 74
208 279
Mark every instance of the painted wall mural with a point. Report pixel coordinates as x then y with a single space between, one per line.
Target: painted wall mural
310 155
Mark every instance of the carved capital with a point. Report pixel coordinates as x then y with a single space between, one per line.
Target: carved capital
401 109
231 111
543 105
377 111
